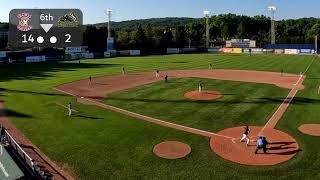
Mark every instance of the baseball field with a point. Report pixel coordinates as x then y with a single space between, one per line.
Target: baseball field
119 119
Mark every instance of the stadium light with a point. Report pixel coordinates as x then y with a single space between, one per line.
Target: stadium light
206 14
272 9
109 13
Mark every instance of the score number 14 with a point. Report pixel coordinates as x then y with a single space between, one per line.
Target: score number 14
30 38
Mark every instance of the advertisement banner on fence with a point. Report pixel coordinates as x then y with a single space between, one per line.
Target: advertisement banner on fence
278 51
257 51
107 54
213 50
3 54
173 50
246 51
78 49
87 55
31 59
134 52
307 51
189 49
291 51
237 50
226 50
268 51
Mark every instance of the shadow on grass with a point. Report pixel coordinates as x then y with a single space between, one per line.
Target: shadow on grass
88 117
29 92
42 70
11 113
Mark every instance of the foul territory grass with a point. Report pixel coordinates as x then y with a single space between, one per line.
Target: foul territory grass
98 144
241 104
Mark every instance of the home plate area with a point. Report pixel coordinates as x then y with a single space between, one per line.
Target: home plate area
281 146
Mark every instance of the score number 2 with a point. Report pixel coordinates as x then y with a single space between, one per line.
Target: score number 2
68 38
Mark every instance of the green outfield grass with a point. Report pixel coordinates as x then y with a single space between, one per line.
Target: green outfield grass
241 104
98 144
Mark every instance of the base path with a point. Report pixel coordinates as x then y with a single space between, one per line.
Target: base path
35 153
102 86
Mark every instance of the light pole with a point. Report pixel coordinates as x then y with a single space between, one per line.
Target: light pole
206 14
109 13
272 9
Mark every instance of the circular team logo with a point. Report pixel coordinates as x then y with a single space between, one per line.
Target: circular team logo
24 19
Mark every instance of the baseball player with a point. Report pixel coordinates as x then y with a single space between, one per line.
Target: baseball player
245 135
70 109
318 90
123 71
210 66
262 144
157 73
90 80
200 87
166 78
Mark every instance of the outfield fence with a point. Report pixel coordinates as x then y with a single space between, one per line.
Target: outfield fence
23 155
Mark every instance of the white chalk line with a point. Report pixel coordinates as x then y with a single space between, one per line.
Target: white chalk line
160 121
294 90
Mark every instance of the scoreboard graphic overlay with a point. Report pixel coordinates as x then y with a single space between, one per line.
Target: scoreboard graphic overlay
45 28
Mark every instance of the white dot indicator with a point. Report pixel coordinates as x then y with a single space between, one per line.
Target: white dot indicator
53 39
40 40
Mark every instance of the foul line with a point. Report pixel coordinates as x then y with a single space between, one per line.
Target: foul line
150 119
285 102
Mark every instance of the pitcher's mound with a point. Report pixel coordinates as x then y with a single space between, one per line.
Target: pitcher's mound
203 96
281 147
310 129
171 150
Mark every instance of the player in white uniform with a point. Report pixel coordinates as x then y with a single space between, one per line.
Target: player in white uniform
200 87
70 109
245 135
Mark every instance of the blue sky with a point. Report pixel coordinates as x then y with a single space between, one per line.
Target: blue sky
93 10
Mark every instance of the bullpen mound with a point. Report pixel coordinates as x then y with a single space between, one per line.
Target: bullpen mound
171 150
310 129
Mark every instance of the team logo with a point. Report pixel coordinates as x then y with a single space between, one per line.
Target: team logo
68 20
24 19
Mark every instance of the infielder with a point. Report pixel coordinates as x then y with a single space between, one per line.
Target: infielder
70 109
245 135
157 73
123 71
200 87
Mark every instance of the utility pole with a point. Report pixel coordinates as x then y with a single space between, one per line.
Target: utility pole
206 14
272 9
109 13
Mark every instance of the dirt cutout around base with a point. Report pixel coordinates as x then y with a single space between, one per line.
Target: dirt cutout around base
282 147
310 129
204 95
171 150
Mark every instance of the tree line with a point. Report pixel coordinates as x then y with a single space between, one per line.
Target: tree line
156 34
161 33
